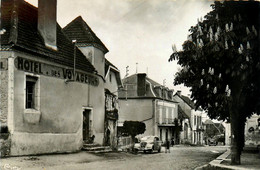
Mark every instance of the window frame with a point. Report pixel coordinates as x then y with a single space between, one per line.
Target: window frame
30 77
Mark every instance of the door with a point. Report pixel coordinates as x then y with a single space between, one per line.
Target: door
86 129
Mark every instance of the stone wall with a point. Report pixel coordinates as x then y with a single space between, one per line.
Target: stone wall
5 144
3 96
5 141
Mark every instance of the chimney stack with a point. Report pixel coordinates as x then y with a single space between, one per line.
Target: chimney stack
47 22
141 84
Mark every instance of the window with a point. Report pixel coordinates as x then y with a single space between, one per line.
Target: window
30 92
195 120
110 77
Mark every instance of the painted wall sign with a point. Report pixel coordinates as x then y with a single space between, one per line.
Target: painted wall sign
54 71
3 64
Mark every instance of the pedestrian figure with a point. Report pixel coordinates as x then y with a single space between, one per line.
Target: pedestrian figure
167 146
172 141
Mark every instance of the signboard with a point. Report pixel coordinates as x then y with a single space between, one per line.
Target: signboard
3 64
54 71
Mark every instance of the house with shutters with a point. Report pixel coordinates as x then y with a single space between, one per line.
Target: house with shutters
192 125
149 102
52 88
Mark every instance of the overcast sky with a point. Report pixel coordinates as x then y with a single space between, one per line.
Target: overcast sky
138 31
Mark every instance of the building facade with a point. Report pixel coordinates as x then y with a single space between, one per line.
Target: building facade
52 96
192 124
147 101
112 86
94 50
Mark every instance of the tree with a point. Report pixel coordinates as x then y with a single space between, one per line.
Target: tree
221 64
134 128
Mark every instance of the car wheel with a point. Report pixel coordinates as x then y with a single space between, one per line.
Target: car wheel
136 150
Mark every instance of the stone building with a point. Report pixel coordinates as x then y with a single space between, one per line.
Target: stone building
94 50
52 96
147 101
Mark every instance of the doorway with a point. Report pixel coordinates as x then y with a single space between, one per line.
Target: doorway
86 124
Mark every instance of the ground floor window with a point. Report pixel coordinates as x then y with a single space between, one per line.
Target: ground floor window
30 92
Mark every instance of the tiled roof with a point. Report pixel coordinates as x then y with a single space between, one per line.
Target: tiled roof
181 113
79 30
20 19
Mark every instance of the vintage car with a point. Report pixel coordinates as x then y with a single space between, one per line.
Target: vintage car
212 142
148 143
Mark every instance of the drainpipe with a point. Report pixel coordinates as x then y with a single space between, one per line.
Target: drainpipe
74 62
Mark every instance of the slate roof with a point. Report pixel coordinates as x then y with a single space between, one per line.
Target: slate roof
78 29
20 19
150 88
181 113
188 101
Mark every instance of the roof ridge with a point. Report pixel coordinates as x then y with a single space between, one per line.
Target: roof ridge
86 29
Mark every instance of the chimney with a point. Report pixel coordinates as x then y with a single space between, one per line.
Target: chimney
179 92
141 84
47 22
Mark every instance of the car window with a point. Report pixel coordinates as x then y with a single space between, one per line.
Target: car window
147 138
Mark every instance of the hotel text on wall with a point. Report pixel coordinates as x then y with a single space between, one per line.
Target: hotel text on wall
54 71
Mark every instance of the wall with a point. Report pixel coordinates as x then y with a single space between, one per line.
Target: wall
97 95
165 110
187 109
197 136
129 111
97 56
252 131
59 128
112 86
3 88
5 139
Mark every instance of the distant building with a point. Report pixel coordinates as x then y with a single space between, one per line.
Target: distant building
112 86
192 125
147 101
252 131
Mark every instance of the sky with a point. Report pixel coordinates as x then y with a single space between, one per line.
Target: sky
138 33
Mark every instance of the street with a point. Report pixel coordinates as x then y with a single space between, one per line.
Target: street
181 157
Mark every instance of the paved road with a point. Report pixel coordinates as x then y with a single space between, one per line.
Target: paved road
180 158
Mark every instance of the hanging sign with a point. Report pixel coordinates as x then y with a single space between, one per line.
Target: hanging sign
54 71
